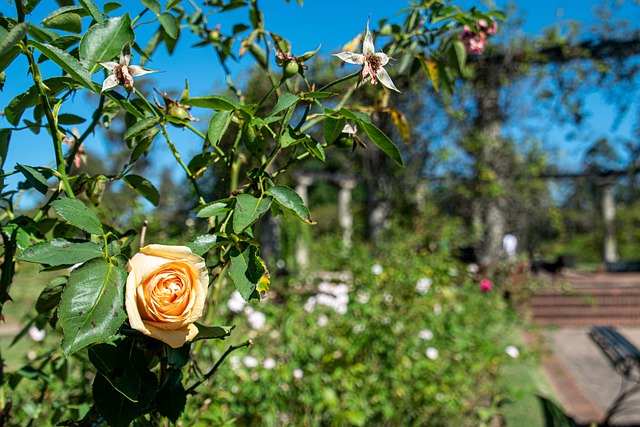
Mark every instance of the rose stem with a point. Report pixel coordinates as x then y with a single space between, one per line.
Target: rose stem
231 349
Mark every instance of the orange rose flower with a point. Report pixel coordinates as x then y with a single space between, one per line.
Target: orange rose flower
165 293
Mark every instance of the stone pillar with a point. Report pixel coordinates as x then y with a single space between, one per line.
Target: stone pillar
345 216
302 248
608 216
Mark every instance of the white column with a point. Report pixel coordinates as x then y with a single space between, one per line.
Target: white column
302 249
345 217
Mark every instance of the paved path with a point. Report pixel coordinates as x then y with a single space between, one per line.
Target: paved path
583 379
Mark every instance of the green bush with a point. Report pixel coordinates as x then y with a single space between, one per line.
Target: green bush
407 338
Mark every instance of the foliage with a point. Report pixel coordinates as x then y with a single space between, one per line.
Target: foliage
407 337
251 143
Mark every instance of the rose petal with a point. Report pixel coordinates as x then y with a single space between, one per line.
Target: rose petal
350 57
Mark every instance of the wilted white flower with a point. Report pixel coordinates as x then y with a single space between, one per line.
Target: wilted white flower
123 73
376 269
310 304
257 319
250 361
234 361
423 285
473 268
372 63
358 328
298 373
236 303
432 353
387 297
363 297
425 334
323 320
437 309
36 334
268 363
512 351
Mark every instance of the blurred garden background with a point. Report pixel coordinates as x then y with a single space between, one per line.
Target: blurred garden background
403 304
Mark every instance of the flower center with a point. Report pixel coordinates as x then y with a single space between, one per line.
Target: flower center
123 76
373 60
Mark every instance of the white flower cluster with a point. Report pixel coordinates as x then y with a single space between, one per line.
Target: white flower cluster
256 319
334 296
423 285
512 351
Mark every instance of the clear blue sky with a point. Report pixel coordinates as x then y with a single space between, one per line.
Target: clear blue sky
328 23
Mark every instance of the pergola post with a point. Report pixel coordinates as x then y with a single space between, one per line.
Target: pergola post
302 248
608 217
345 216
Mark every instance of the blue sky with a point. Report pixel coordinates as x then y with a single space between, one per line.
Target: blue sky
325 23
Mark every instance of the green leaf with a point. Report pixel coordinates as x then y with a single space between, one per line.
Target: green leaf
112 405
201 162
70 22
152 5
13 112
70 119
317 95
355 115
115 366
13 37
314 148
24 231
78 214
287 100
61 252
68 63
248 210
49 298
34 177
218 126
143 144
92 304
214 208
333 128
214 102
170 25
142 126
202 244
208 332
172 397
290 200
5 137
383 142
6 60
143 187
246 270
92 10
457 57
104 42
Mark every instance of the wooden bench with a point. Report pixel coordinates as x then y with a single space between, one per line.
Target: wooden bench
625 358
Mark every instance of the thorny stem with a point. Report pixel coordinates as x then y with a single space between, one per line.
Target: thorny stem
53 124
176 155
232 348
340 80
204 137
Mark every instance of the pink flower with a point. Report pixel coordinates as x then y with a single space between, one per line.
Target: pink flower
484 26
474 43
485 285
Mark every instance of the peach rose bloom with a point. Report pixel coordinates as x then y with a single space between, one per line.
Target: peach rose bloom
166 291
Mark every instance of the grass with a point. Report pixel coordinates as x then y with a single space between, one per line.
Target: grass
25 289
523 380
